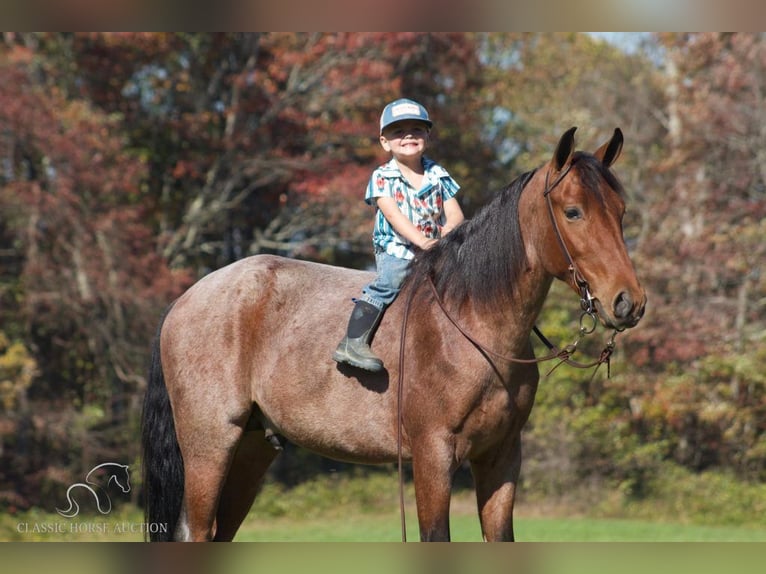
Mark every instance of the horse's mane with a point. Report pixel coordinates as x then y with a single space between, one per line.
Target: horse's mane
483 257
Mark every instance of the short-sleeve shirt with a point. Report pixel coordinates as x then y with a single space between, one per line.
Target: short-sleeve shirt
424 207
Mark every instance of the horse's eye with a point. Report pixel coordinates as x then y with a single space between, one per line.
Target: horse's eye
572 213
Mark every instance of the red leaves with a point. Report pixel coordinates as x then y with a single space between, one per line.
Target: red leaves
92 278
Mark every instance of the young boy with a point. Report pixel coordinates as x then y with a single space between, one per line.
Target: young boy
415 205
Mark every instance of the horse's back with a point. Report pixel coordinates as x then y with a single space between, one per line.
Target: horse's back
263 304
260 277
262 331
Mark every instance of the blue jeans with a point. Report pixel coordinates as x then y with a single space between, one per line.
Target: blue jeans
385 287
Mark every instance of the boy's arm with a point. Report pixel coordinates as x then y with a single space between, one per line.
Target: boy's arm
453 215
401 224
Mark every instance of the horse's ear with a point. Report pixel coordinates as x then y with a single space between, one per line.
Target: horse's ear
610 151
564 149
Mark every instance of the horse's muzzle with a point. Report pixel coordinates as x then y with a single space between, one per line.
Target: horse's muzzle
625 313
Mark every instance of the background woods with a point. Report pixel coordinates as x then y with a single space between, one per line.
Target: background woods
132 164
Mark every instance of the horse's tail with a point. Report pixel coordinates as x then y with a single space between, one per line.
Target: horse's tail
163 467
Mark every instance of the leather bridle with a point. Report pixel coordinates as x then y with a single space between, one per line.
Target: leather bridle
578 279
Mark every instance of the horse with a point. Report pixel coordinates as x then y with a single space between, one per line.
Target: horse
114 472
244 357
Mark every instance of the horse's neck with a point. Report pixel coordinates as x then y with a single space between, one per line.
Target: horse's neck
528 301
507 330
535 283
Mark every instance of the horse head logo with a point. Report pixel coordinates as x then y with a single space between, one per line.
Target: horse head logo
96 483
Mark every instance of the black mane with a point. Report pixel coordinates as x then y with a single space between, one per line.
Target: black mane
592 172
482 257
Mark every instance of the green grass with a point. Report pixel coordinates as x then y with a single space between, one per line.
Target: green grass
366 509
356 525
465 528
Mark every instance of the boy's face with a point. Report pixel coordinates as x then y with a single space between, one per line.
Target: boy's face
407 138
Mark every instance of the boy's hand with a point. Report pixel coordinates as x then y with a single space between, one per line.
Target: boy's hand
427 243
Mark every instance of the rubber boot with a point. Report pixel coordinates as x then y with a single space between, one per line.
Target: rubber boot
354 348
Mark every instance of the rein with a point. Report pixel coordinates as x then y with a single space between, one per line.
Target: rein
400 386
564 355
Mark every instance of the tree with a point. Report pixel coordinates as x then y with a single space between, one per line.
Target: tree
541 84
90 271
707 243
91 282
263 142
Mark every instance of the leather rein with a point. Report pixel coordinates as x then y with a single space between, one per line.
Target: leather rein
588 322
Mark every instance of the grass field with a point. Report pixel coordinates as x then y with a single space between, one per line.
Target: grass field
354 525
465 528
366 509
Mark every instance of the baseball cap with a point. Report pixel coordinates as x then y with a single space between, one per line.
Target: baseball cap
403 109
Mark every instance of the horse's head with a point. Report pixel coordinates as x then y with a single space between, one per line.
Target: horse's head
110 472
121 477
584 245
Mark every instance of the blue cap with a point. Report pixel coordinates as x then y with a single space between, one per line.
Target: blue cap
403 109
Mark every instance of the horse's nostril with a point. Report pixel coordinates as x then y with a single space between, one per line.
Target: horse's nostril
623 305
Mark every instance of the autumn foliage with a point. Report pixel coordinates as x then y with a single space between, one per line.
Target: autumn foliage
132 164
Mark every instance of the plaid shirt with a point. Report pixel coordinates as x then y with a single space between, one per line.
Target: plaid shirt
423 207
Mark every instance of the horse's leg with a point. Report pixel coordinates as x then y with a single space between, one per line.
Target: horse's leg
432 473
253 457
206 463
495 477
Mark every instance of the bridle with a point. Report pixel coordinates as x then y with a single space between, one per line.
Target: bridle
578 279
564 355
588 320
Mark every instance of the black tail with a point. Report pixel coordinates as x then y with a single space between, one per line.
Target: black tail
163 467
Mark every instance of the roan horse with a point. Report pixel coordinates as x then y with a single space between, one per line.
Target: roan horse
245 354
